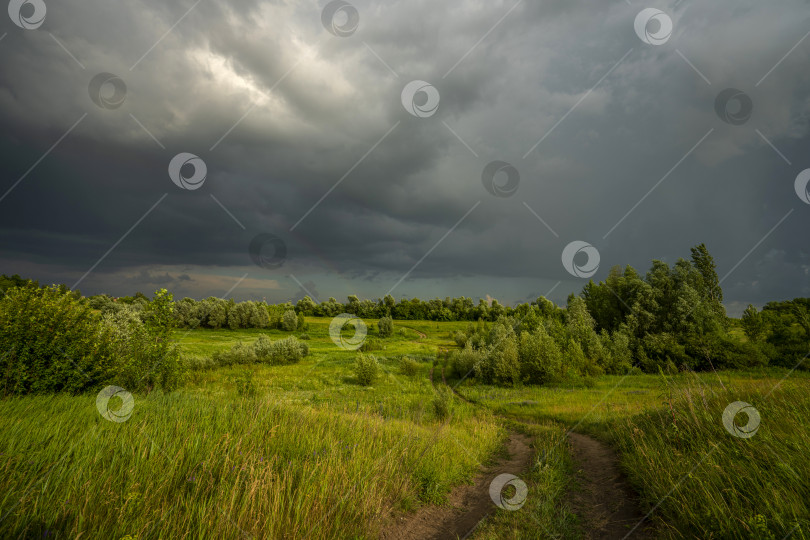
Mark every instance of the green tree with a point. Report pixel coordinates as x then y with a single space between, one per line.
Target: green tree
302 323
158 318
752 323
704 262
306 306
289 321
385 326
540 358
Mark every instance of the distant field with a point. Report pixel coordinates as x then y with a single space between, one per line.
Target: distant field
315 455
406 339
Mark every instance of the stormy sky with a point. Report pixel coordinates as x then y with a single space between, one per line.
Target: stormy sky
420 148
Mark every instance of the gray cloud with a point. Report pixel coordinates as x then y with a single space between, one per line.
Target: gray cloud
301 108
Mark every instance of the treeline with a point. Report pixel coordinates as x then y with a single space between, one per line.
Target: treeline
671 319
217 313
781 329
214 313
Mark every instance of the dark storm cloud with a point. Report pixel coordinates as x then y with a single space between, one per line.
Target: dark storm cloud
280 110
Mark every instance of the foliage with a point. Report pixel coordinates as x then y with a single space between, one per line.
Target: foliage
385 327
371 344
284 351
541 358
9 282
52 341
366 369
786 332
302 322
238 354
463 362
501 364
289 322
408 366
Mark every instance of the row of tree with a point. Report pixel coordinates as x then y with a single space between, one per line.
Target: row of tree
670 319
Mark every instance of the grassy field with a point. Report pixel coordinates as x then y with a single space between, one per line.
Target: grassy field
313 454
701 481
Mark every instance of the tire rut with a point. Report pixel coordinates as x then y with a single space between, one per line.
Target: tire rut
603 499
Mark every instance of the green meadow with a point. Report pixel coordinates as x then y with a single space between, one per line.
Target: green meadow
305 451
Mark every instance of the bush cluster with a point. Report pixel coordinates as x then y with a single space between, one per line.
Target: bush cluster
385 326
408 366
288 350
366 368
52 341
371 344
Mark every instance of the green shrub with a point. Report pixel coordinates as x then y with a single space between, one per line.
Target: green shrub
408 367
501 364
193 362
366 369
238 354
302 323
463 362
52 341
304 336
289 321
385 326
541 360
284 351
371 344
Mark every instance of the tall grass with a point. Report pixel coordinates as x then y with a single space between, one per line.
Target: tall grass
694 477
705 482
186 466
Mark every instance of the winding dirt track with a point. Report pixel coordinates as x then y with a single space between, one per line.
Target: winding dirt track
422 335
468 504
603 499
